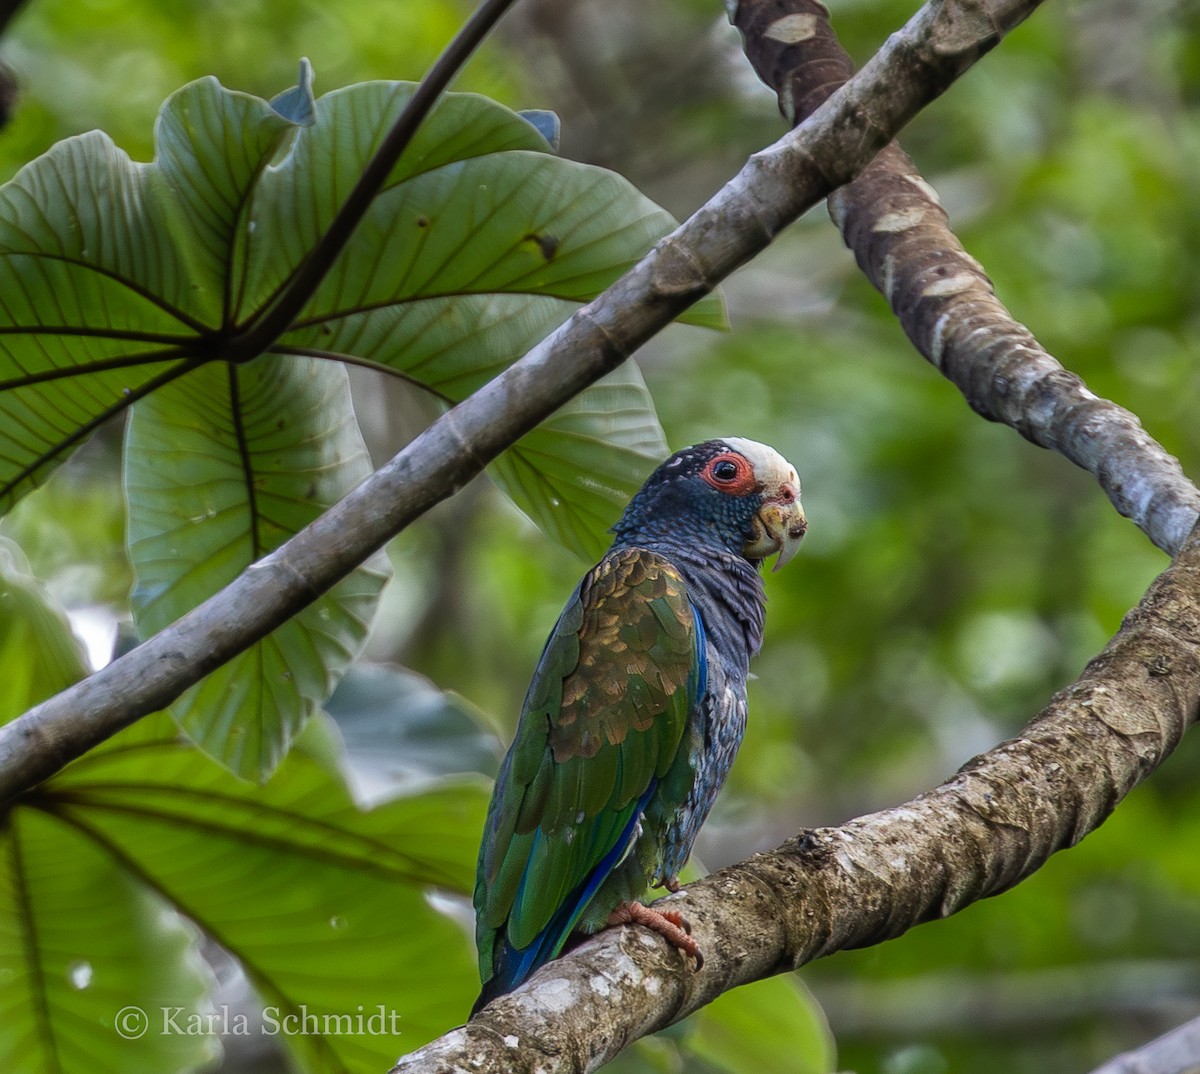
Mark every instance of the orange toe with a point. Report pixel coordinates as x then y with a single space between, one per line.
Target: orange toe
671 925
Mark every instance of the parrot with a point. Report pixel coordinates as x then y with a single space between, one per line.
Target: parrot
635 711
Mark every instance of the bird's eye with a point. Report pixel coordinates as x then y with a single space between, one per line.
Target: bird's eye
730 474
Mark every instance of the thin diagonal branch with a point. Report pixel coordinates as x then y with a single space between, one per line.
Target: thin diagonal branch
893 221
316 265
774 188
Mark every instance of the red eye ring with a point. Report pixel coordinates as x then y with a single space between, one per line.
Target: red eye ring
730 473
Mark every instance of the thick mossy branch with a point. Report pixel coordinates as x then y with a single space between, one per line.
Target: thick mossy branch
994 823
892 220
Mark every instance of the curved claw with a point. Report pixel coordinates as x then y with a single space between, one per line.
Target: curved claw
676 918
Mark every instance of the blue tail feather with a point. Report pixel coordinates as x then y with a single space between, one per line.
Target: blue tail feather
513 966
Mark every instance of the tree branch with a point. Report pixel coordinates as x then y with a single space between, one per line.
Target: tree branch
990 826
776 185
1172 1053
893 221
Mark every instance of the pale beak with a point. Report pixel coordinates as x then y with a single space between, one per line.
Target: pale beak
779 526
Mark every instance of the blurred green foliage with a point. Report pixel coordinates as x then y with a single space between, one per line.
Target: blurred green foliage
954 576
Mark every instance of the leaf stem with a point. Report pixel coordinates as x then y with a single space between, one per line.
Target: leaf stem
364 363
312 270
104 365
82 432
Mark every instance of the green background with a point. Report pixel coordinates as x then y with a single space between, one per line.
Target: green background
954 576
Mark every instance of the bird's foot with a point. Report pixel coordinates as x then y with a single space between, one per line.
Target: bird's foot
672 884
671 925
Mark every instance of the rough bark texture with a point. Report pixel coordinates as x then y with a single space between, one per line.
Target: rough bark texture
778 184
991 825
893 221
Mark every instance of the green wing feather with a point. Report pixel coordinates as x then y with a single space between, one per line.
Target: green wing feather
603 720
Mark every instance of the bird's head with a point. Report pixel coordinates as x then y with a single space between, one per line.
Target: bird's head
739 494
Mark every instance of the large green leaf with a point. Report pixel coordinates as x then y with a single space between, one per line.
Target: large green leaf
464 264
323 904
118 277
90 958
80 939
425 838
111 272
222 467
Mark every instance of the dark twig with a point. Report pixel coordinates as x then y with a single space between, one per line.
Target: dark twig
278 317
